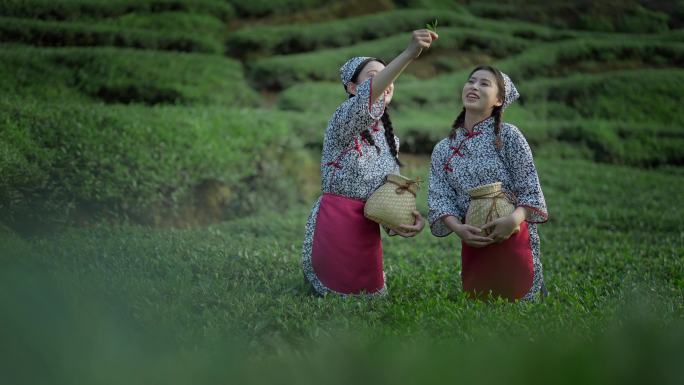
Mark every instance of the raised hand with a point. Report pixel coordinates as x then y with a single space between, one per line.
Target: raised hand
420 39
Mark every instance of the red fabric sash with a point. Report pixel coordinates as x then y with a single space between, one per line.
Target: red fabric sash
505 268
347 249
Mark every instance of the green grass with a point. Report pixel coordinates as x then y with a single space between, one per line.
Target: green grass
124 76
612 257
198 24
278 72
603 15
650 95
87 162
79 9
261 8
92 34
250 42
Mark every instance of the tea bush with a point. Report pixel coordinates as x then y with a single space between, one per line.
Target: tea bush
279 72
83 9
61 161
124 76
250 42
61 34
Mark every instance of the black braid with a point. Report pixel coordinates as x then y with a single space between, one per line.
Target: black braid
389 136
386 121
497 112
458 123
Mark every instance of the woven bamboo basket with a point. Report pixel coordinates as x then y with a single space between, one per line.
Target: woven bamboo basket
392 204
487 203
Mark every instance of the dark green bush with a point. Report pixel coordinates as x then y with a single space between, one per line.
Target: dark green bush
79 9
75 161
598 15
283 71
124 76
260 8
647 95
197 24
286 39
60 34
594 55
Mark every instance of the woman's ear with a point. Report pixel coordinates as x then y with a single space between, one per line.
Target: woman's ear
351 88
499 103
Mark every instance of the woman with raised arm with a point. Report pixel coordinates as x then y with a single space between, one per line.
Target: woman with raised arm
342 251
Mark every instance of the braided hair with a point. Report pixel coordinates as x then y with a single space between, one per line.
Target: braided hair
497 112
385 119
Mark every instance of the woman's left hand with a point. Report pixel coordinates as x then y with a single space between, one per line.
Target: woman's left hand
502 228
408 231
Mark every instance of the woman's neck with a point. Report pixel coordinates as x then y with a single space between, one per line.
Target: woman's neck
474 117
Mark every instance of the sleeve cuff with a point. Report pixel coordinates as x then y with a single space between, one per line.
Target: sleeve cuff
377 109
439 228
538 215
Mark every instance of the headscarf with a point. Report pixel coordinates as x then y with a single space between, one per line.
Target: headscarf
349 68
511 94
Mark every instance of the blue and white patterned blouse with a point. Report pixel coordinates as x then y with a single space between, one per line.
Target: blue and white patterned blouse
469 160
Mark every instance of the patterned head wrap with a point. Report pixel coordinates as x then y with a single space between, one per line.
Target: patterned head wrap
510 92
349 67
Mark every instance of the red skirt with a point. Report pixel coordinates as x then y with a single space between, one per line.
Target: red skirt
347 249
505 268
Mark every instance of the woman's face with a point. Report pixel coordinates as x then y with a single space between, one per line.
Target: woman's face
369 70
480 92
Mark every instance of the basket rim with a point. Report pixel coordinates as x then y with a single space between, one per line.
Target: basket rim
485 189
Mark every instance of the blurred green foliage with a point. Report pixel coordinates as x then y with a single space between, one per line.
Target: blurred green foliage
80 9
282 71
124 76
52 33
261 8
83 160
209 299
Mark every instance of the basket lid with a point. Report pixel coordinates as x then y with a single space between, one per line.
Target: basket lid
411 185
484 190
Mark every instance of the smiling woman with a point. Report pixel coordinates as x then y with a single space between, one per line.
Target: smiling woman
503 256
342 251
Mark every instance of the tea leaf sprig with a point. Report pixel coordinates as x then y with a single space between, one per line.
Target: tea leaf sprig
432 26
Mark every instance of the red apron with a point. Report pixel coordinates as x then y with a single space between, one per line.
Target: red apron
347 249
505 268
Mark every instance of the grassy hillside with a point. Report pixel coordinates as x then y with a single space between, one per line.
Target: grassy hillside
158 160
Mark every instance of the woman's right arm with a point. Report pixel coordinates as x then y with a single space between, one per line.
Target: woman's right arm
367 107
420 40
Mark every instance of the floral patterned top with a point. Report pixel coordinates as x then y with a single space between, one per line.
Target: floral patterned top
471 159
350 166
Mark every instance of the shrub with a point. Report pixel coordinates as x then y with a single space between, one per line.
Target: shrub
197 24
124 76
283 71
260 8
286 39
79 9
87 161
647 95
59 34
